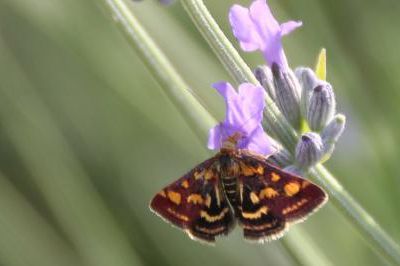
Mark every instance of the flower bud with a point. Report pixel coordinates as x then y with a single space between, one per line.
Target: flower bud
322 107
308 81
309 150
287 90
331 134
264 76
281 158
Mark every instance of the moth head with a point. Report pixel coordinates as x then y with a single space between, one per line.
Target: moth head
231 142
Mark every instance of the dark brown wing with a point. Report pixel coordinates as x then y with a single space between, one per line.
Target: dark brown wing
196 203
270 199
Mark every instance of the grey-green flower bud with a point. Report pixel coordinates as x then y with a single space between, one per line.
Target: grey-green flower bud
287 90
264 76
332 132
308 81
281 158
309 150
322 107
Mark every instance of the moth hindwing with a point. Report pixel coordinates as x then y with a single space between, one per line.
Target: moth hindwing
270 199
196 203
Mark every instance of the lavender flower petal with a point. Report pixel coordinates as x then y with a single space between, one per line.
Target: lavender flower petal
257 29
243 28
260 142
290 26
244 112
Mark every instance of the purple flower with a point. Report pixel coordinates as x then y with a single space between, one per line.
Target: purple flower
257 29
244 113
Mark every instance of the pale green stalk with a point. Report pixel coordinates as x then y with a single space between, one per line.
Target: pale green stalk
181 95
366 225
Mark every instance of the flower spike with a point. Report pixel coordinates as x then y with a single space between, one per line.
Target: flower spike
244 113
257 29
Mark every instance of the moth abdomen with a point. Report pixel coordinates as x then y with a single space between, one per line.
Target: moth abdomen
230 188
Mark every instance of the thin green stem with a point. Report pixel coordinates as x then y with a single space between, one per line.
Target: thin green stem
230 58
177 90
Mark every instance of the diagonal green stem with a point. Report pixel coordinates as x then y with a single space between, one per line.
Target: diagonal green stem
225 51
180 94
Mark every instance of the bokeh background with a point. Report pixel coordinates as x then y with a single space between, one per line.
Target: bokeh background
87 136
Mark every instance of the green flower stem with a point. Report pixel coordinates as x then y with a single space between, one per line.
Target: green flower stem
180 94
225 51
238 69
178 91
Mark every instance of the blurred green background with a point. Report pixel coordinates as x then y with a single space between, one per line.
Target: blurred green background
87 136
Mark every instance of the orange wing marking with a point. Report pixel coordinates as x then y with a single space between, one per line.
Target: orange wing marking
175 197
268 193
291 188
178 215
294 207
255 215
195 199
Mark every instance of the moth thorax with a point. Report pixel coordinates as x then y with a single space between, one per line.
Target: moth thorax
230 143
227 145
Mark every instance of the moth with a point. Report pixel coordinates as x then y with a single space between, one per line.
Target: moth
237 185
